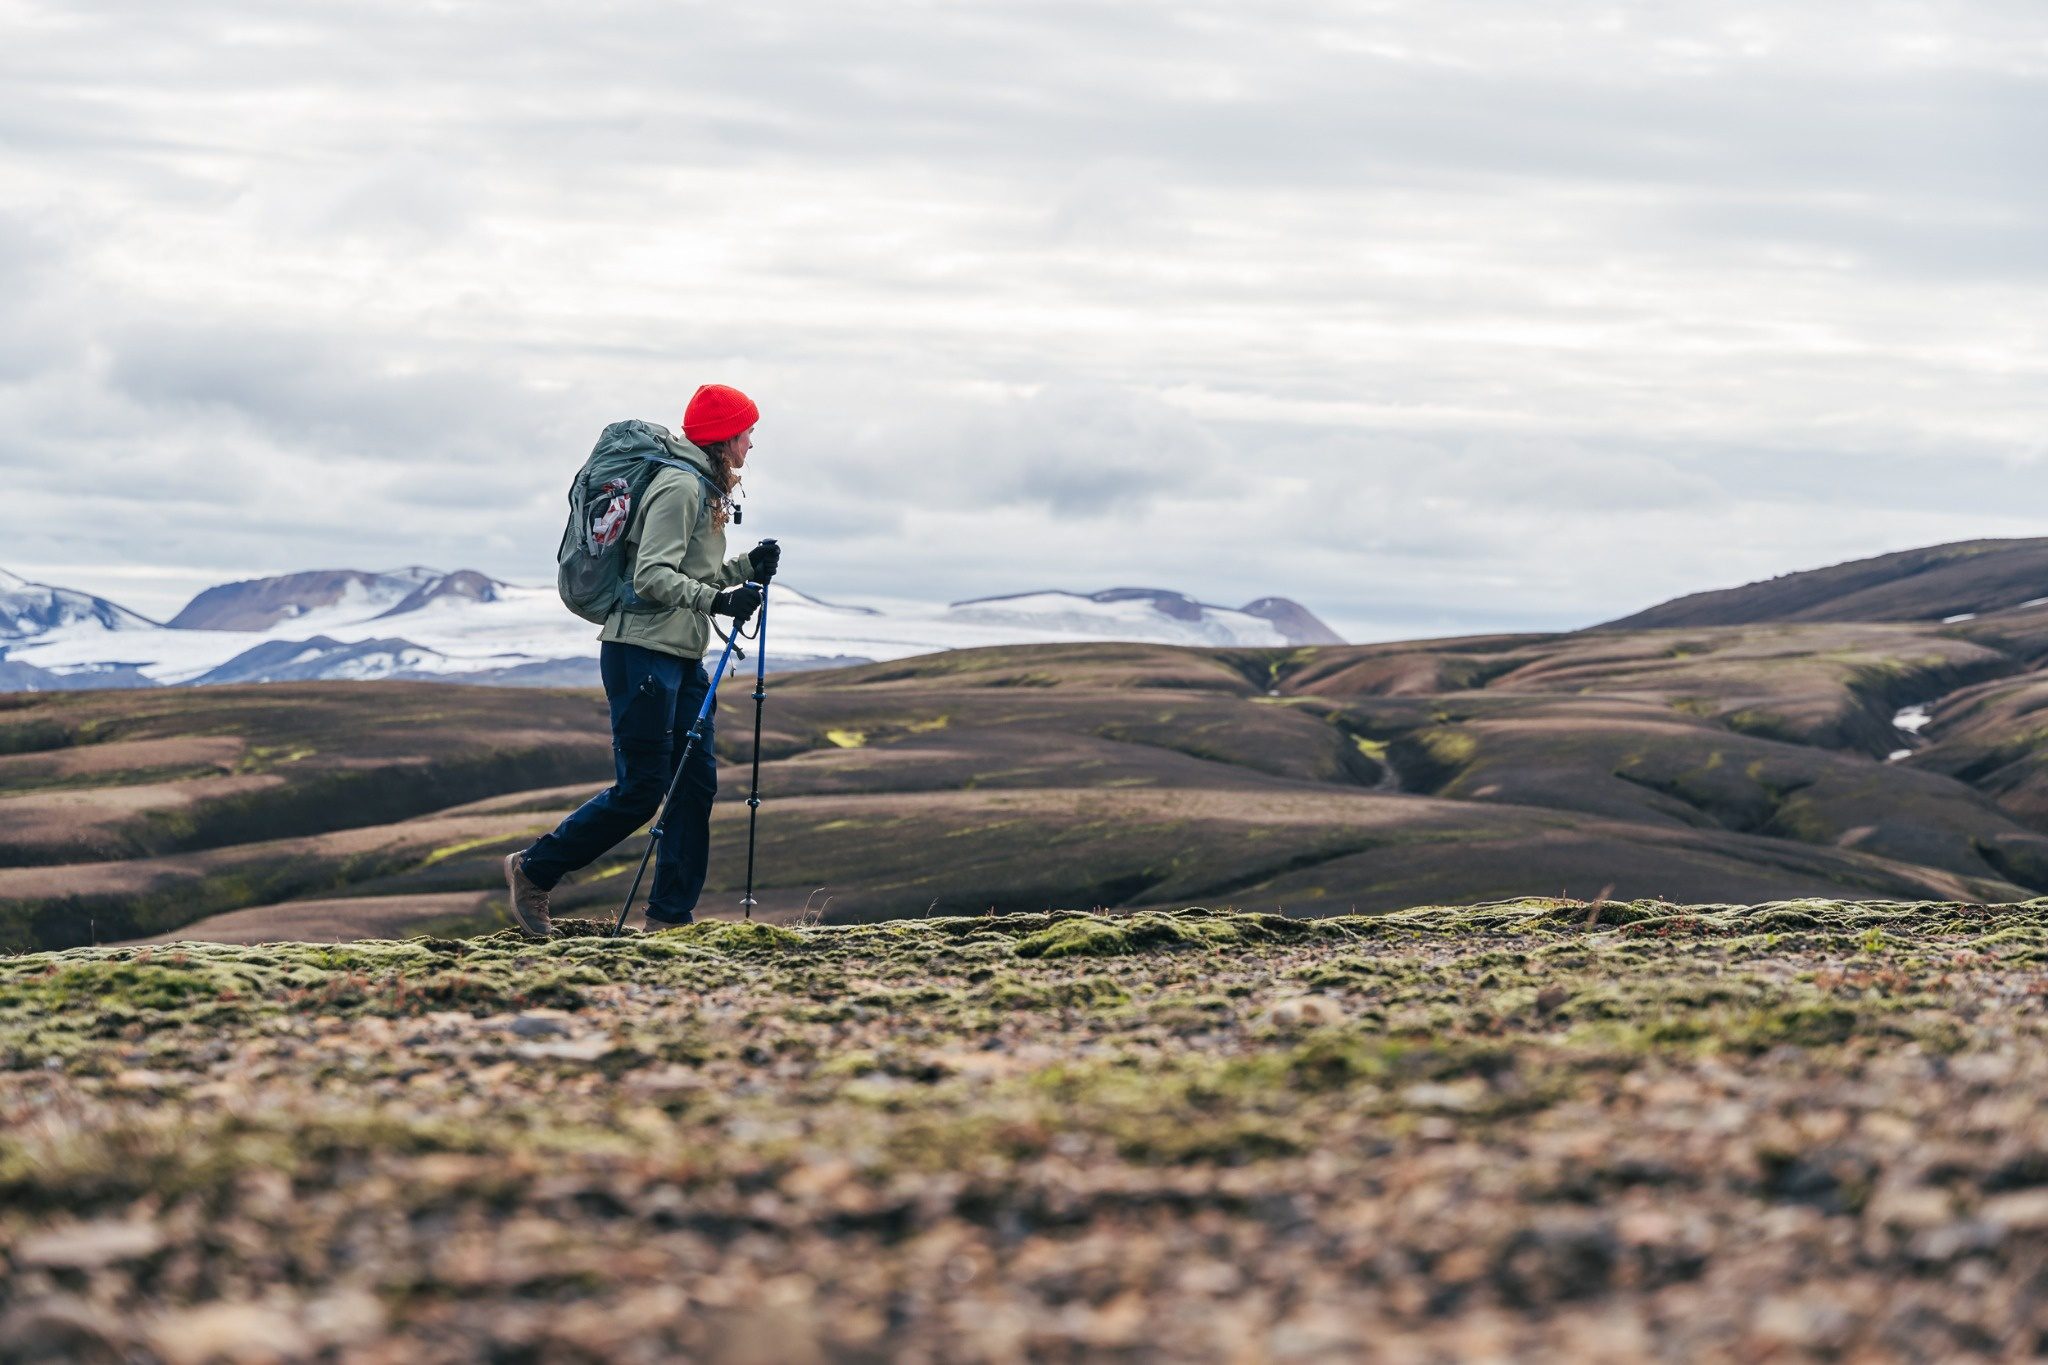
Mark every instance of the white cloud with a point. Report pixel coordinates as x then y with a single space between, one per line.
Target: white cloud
1448 316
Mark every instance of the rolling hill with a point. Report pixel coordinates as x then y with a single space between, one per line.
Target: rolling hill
1940 582
1735 763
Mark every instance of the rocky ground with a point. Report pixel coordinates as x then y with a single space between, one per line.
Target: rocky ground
1539 1130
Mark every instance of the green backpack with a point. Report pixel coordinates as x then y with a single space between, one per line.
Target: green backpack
592 570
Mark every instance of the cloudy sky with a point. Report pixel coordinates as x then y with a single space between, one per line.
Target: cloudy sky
1434 316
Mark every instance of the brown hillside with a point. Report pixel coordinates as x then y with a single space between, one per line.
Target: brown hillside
1929 584
1708 764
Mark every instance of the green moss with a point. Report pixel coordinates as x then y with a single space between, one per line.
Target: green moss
1755 720
260 758
1450 747
744 938
1800 1025
1076 938
447 851
1086 992
118 986
1100 936
34 736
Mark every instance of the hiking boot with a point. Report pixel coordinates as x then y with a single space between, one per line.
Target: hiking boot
529 902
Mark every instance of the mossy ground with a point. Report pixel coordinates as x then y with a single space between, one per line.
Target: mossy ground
1539 1129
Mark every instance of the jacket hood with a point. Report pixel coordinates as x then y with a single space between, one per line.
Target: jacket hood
679 448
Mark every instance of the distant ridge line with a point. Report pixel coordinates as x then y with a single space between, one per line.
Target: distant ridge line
1930 583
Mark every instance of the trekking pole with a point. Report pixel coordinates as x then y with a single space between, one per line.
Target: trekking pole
754 795
696 735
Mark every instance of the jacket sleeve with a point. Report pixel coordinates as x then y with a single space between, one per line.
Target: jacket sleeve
738 569
665 521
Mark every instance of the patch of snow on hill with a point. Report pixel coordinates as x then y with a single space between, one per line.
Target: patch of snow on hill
357 602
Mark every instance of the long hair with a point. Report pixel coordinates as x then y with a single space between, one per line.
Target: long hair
724 475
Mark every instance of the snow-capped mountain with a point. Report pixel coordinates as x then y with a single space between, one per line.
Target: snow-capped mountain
306 599
31 609
464 626
1150 614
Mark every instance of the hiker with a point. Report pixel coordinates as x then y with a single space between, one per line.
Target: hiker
652 661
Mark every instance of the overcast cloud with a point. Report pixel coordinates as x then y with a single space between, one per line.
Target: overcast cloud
1435 317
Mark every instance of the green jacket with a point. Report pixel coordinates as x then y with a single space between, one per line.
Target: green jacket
678 560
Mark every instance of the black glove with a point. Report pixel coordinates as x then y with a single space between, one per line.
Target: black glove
739 603
766 559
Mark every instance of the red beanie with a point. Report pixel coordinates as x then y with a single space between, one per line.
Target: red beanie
718 412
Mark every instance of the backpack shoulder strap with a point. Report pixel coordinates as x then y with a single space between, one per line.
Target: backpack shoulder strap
711 489
683 465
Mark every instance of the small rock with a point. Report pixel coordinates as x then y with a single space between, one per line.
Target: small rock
1212 1279
241 1333
1984 1068
768 1335
1550 997
1953 1241
543 1024
142 1079
1647 1227
1890 1129
88 1246
347 1317
1304 1011
1802 1323
673 1076
818 1179
1118 1324
1456 1096
1913 1206
2022 1211
568 1049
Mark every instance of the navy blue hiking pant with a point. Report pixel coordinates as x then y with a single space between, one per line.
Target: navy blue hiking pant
654 699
